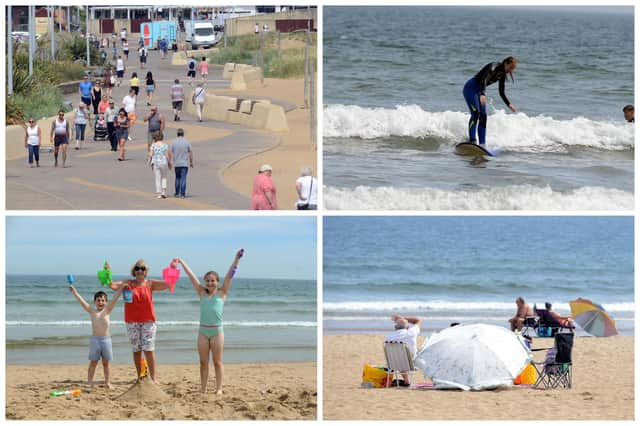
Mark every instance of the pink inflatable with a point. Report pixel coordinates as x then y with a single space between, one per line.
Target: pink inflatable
171 275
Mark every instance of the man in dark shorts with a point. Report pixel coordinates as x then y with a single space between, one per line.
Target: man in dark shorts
85 91
191 70
177 98
60 137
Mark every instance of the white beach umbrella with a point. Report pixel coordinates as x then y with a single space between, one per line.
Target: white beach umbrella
474 356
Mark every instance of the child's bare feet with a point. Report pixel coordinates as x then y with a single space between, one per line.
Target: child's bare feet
219 392
108 386
203 390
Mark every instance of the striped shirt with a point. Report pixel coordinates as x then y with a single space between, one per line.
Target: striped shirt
177 93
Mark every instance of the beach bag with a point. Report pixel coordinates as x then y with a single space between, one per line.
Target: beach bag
377 376
529 376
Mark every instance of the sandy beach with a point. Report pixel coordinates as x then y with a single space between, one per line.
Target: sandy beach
294 151
603 387
282 391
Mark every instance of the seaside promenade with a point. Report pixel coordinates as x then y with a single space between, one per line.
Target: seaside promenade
95 180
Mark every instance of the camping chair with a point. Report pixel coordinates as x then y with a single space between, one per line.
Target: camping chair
530 323
399 360
548 326
555 371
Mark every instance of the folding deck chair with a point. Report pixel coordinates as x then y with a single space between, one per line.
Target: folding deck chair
548 326
555 371
399 360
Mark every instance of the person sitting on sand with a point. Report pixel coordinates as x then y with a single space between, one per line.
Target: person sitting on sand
523 311
407 330
100 343
211 333
629 113
140 315
564 321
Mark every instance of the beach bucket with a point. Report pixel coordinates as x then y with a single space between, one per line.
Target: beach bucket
377 376
171 275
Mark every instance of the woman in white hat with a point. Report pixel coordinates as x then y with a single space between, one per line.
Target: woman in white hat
264 191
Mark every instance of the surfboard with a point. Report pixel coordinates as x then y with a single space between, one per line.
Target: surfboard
472 150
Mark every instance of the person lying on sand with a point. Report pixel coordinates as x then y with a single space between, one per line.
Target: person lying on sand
407 330
523 310
100 344
211 333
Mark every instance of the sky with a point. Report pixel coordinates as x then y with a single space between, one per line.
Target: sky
275 247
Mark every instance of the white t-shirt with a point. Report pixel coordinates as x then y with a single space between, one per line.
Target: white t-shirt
199 95
120 65
129 103
305 182
407 335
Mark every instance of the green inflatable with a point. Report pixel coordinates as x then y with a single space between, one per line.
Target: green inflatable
105 275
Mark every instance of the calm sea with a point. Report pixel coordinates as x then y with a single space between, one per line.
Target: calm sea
264 321
471 269
394 110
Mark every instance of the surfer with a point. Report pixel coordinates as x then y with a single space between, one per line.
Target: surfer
476 99
629 113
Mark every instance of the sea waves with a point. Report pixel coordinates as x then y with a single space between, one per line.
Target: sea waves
511 197
508 132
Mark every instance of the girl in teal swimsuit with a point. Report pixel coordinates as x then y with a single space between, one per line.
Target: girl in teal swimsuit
210 333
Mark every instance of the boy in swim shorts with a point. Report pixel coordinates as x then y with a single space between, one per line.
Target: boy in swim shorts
100 344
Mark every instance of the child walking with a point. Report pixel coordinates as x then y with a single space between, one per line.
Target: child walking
100 344
211 333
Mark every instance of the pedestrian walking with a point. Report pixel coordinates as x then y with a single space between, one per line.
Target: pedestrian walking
263 196
156 124
160 159
191 70
134 83
204 68
182 157
164 46
120 69
125 49
82 118
60 136
122 125
199 98
129 105
151 87
177 98
108 81
142 54
32 138
110 116
85 89
96 95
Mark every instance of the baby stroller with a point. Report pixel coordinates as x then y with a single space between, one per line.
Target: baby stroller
100 132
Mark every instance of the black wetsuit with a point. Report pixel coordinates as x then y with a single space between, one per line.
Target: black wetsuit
488 75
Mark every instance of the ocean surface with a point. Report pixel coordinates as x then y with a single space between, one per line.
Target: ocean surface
393 79
471 269
264 321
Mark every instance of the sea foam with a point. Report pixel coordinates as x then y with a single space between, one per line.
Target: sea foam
508 132
512 197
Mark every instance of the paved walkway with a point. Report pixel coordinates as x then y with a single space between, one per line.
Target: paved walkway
95 180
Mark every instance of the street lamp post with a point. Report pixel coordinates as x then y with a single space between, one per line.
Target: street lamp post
86 35
10 52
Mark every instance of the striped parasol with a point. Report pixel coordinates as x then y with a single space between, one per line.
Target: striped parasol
593 318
